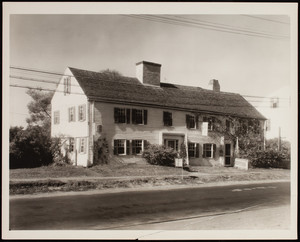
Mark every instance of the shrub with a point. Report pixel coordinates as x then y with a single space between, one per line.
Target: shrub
159 155
270 159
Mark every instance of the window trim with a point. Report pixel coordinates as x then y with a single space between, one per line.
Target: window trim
56 117
167 118
84 145
188 121
74 114
67 85
83 112
133 152
144 116
212 150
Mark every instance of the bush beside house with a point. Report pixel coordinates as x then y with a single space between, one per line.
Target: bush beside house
159 155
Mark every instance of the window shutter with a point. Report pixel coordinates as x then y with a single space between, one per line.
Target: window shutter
84 112
145 116
214 150
74 114
115 147
187 117
196 121
134 116
69 113
197 150
203 150
79 112
128 115
116 115
85 145
145 143
127 147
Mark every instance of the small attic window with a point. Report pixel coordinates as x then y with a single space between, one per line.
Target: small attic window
67 85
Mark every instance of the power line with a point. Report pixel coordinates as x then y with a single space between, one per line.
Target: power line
214 25
227 25
203 26
61 74
76 93
271 20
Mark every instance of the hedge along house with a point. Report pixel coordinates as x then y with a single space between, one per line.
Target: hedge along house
129 113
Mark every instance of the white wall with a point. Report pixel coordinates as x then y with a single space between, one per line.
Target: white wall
61 102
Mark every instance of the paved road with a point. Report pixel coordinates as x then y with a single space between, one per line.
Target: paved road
142 210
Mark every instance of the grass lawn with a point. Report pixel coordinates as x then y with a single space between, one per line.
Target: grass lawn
53 178
115 170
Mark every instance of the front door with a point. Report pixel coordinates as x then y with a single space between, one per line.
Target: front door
171 143
227 154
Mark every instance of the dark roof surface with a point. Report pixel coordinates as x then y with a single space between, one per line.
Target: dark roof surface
105 87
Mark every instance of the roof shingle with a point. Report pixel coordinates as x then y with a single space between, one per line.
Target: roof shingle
103 87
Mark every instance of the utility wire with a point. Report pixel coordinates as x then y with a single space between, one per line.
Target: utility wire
271 20
195 25
77 93
61 74
218 27
227 25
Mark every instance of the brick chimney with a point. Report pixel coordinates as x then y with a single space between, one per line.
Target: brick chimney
148 73
214 85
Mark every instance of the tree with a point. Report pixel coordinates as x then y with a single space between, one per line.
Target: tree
39 108
111 74
33 146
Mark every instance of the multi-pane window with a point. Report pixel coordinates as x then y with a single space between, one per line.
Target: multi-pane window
139 116
122 115
67 85
137 147
190 121
81 112
171 143
193 150
167 117
209 150
82 145
211 122
119 147
56 117
71 144
72 114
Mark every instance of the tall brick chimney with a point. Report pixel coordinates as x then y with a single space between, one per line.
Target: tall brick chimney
148 73
214 85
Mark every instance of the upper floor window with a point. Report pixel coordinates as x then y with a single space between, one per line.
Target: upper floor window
122 115
193 150
209 150
72 114
190 121
211 122
81 112
139 116
167 118
67 85
56 117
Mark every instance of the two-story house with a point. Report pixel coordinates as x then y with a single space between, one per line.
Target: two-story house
131 112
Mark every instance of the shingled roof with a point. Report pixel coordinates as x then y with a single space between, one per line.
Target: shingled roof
127 90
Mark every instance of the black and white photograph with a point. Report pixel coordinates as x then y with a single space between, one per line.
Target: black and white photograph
149 121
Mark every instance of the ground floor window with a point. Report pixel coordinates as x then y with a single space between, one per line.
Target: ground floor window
171 143
193 150
71 144
82 147
119 147
137 147
209 150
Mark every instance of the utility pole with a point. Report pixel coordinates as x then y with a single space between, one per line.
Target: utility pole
279 139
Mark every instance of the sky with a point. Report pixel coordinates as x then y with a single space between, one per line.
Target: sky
190 54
